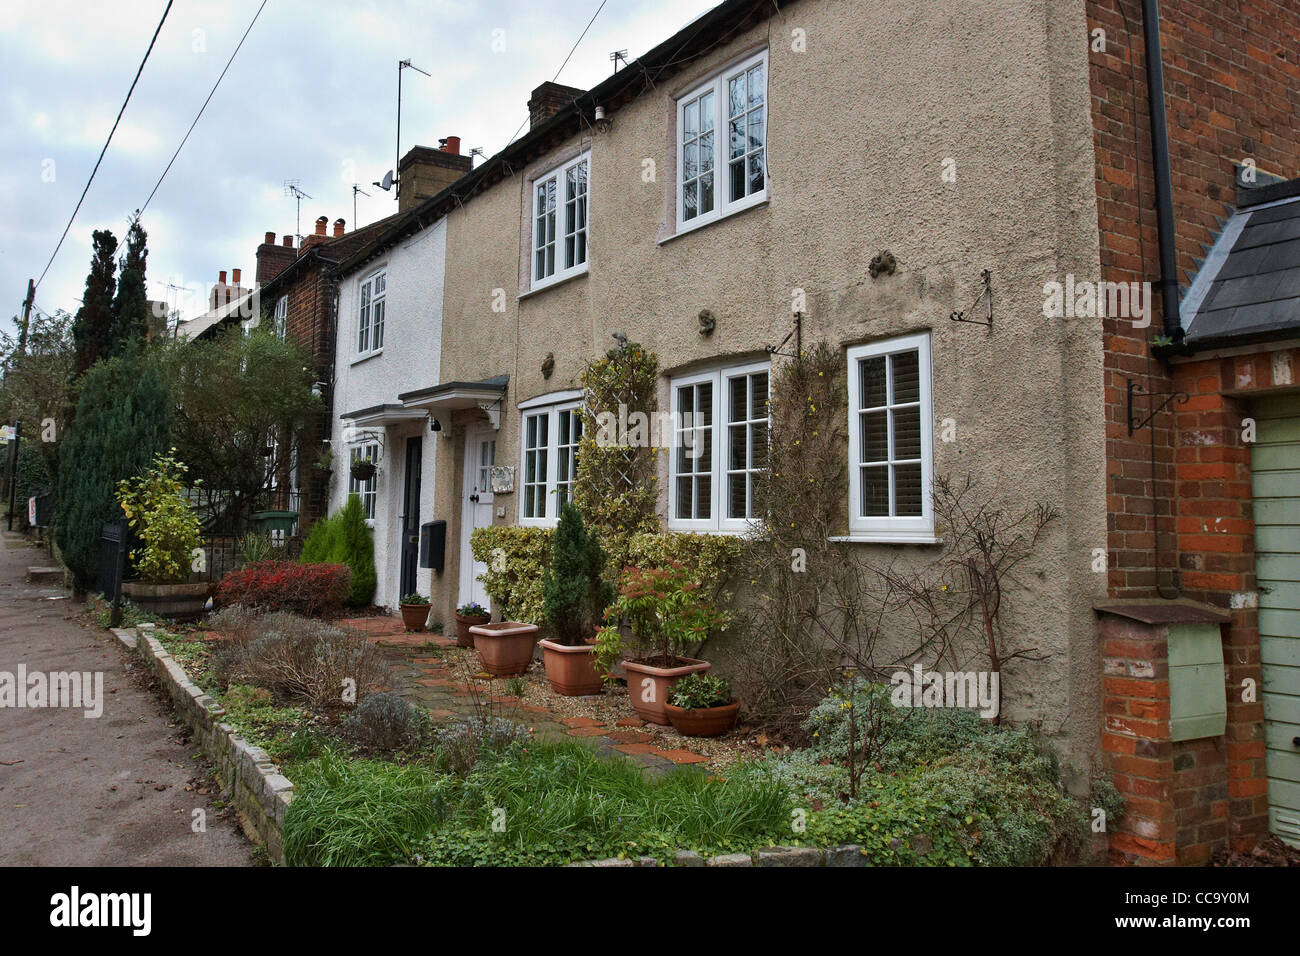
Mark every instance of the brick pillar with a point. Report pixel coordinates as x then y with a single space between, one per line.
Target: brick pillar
1180 795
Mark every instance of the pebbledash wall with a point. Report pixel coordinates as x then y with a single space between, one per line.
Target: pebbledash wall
409 360
856 159
1179 491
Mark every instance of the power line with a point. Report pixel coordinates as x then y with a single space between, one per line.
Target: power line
567 58
138 71
200 113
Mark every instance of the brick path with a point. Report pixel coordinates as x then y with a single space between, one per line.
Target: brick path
435 678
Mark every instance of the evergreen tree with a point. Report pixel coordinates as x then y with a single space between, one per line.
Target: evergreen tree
574 594
131 304
92 328
344 538
123 419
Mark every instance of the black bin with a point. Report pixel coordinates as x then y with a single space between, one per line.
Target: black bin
433 545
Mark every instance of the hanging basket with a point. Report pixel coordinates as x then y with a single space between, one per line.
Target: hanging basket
363 470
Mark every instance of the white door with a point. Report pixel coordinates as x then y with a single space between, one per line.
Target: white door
476 512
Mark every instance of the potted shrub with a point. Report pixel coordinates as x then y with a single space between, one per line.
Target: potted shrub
468 615
667 614
167 528
700 705
574 596
415 611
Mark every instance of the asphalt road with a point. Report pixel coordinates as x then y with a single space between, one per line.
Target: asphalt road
114 790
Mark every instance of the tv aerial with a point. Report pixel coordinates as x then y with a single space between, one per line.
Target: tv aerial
291 188
356 188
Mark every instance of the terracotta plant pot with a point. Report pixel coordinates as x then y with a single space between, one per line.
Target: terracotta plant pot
182 601
505 648
569 669
414 616
703 721
648 686
463 624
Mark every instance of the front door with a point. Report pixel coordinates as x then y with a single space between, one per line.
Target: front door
1275 474
480 456
411 516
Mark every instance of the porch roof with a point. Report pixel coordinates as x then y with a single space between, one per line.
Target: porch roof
389 414
1249 287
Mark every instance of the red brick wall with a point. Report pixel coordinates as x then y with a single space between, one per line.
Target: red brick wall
1230 69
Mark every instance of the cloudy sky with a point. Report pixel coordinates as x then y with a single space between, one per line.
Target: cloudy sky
311 96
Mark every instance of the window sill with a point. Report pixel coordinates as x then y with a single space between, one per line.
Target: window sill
366 357
548 284
735 209
885 537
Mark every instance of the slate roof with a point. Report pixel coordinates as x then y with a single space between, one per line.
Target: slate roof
1249 288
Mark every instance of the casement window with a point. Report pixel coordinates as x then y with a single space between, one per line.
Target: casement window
550 459
560 229
370 313
281 317
890 440
719 447
722 144
368 490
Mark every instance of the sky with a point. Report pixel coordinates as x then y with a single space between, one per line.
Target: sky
311 96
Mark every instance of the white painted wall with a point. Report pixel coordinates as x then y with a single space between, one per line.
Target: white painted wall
409 360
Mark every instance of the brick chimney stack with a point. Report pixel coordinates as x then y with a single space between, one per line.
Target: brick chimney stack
425 172
548 99
339 226
272 259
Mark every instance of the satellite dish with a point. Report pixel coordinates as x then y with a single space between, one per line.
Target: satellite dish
388 181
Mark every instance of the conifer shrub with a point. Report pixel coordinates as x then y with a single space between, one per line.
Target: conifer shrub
574 593
344 538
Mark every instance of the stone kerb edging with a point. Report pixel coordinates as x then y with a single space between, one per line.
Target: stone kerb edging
259 792
766 856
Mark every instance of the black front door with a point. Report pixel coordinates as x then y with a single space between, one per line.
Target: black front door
411 515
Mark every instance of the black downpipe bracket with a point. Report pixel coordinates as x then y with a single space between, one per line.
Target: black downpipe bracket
1173 326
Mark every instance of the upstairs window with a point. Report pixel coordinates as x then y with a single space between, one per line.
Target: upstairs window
550 460
281 317
728 113
370 313
560 228
890 451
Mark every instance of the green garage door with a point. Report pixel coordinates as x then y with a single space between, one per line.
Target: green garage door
1275 463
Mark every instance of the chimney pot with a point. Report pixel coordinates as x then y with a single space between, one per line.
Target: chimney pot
270 239
321 223
234 276
288 241
221 277
339 226
453 145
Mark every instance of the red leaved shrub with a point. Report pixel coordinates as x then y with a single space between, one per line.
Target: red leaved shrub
315 590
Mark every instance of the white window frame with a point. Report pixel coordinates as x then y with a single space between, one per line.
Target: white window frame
281 317
722 205
368 490
550 409
720 378
371 310
564 224
892 528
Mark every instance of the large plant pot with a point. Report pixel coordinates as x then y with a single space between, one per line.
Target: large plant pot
463 626
505 648
648 686
182 601
703 721
414 616
570 669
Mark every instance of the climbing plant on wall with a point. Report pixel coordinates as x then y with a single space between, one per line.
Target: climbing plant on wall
616 487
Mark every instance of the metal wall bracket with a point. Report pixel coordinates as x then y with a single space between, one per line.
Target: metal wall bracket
1169 397
986 294
796 333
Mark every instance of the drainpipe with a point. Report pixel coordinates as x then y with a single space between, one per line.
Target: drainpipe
1173 327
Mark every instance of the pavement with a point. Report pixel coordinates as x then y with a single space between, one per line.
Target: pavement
119 789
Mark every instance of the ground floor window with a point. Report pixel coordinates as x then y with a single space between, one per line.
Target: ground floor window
550 459
368 489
